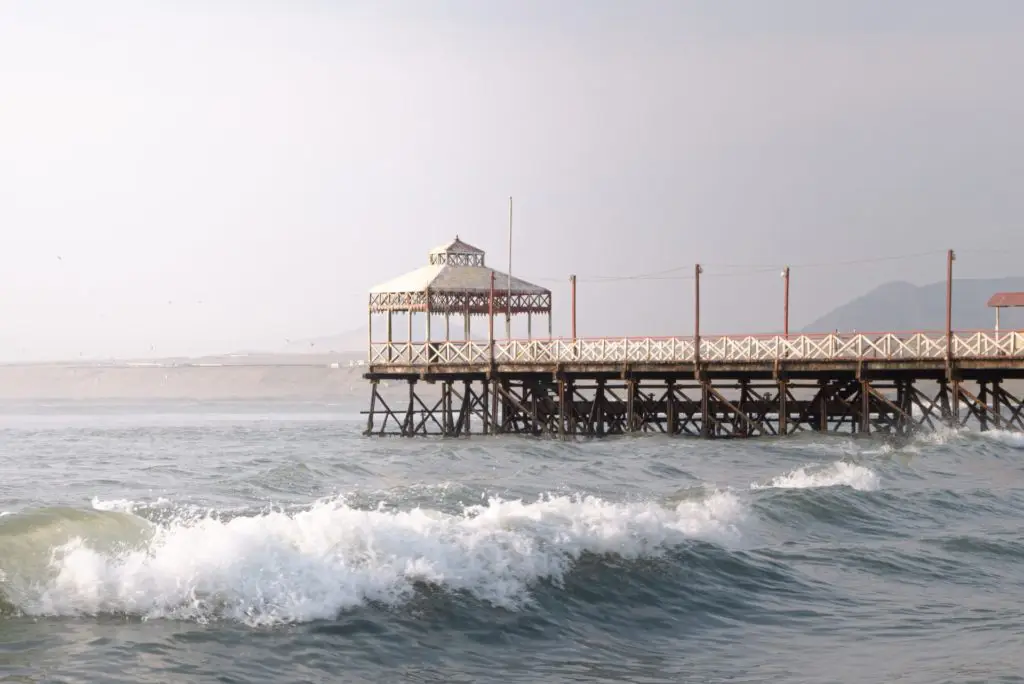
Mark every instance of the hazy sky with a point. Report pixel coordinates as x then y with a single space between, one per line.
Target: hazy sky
191 177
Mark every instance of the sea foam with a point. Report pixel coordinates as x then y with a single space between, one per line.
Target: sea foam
835 474
1006 437
282 567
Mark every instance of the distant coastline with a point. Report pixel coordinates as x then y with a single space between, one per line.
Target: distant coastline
264 376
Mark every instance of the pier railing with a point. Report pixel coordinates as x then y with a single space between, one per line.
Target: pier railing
893 346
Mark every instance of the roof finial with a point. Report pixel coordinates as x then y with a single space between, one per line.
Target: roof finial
456 236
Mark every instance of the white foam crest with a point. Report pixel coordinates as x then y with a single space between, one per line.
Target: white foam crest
1007 437
836 474
117 505
127 505
281 567
939 435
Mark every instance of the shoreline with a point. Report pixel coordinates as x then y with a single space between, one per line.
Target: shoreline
266 377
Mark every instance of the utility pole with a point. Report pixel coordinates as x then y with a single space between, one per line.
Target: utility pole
697 270
572 283
785 302
508 310
490 318
950 258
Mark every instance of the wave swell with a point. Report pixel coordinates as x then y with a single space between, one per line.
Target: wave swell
282 567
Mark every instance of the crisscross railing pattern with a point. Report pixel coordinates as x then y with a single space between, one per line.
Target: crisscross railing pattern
908 346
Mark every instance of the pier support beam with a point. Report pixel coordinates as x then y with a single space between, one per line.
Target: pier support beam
865 407
630 408
671 418
565 405
562 417
783 409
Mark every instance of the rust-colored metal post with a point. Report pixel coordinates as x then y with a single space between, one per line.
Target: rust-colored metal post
572 283
785 302
950 257
508 303
490 318
697 270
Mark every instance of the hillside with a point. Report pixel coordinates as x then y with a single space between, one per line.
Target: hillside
903 306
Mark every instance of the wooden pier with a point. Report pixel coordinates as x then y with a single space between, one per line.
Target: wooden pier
703 386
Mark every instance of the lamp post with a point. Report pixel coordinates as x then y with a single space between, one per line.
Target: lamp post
697 270
950 258
490 318
508 296
572 283
785 302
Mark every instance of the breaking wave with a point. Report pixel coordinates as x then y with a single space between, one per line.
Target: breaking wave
1005 437
282 567
838 474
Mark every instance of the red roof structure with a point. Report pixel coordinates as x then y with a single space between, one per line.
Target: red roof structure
1006 299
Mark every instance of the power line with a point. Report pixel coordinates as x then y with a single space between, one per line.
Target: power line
872 260
745 269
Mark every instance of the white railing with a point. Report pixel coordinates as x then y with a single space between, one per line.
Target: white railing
911 346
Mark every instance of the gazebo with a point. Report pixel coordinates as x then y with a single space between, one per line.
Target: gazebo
456 282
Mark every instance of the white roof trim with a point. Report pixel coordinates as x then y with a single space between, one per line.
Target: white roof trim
447 278
456 246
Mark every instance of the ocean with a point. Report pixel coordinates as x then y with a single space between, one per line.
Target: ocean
272 542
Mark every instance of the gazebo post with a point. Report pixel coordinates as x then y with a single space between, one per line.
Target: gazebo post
390 336
508 311
997 317
426 307
529 325
465 318
549 321
447 320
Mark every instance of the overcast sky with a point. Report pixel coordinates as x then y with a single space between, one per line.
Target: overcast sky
193 177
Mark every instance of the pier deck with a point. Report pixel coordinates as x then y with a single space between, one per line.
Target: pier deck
736 386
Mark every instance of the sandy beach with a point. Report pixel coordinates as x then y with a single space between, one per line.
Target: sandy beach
286 377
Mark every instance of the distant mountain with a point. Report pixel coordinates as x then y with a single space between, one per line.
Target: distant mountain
900 306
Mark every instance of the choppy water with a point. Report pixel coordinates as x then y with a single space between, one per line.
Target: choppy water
273 543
